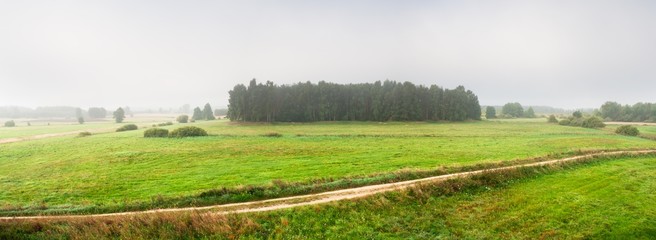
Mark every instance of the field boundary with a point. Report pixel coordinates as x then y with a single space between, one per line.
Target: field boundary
330 196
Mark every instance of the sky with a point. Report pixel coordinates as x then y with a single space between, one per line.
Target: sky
568 54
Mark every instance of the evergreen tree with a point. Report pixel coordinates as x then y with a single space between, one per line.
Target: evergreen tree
198 114
208 114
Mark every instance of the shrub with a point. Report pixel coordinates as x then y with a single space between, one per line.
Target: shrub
10 123
156 132
127 127
189 131
84 134
627 130
565 122
164 124
593 122
182 119
272 134
552 119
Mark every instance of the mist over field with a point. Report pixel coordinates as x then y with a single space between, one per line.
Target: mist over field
152 54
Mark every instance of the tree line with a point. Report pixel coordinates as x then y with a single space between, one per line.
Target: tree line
324 101
639 112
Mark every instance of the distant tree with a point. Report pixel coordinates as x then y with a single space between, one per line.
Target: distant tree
182 119
577 114
198 114
10 123
78 115
552 119
29 124
530 113
490 112
95 112
513 110
119 115
208 114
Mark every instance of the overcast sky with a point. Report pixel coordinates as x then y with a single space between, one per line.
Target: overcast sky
566 54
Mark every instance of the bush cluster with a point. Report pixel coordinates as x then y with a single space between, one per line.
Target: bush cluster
10 123
156 133
586 122
627 130
127 127
163 124
189 131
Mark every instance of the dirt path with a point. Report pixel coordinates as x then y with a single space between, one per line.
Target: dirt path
325 197
631 123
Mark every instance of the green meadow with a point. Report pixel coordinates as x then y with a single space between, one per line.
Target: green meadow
608 199
113 168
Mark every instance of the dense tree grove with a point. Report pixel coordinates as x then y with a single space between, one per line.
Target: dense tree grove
639 112
379 101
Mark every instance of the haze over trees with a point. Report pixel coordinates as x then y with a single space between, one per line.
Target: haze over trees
96 112
378 101
639 112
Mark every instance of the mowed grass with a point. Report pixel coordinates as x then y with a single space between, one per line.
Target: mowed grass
610 199
114 168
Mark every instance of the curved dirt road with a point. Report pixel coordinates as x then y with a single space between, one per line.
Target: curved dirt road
312 199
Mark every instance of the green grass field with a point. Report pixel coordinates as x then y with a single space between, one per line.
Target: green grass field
597 199
113 168
610 199
60 126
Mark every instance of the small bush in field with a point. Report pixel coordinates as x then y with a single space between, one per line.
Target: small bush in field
84 134
593 122
127 127
627 130
190 131
156 132
10 123
272 134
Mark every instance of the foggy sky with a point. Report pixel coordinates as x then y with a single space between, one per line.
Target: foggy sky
566 54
